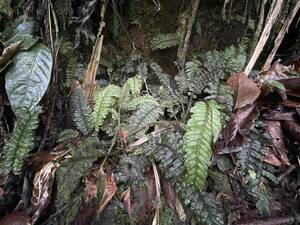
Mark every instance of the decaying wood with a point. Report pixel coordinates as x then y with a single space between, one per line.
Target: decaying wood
264 36
89 84
280 36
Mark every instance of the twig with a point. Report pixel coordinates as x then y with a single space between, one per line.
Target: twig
280 36
264 36
182 54
224 8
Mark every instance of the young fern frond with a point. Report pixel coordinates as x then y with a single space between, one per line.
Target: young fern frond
163 41
81 112
104 102
21 141
147 113
202 131
63 10
135 84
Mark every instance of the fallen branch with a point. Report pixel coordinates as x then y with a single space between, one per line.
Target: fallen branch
264 36
280 36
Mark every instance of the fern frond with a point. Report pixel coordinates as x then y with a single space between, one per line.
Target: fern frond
258 189
202 131
171 95
210 68
74 71
135 83
147 113
204 205
104 101
134 103
163 41
235 59
21 141
67 135
224 96
64 11
251 157
81 112
166 150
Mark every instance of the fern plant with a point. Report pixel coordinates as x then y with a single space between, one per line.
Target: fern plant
166 148
258 174
210 68
202 131
143 117
81 112
163 41
21 141
104 102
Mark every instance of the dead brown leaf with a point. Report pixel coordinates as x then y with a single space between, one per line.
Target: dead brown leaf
292 128
169 193
278 146
110 188
41 194
246 89
232 135
16 218
9 52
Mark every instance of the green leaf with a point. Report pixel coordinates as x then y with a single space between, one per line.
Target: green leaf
5 7
202 131
104 101
27 79
23 33
21 141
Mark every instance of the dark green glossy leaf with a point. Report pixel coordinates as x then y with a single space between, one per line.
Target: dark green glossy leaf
27 79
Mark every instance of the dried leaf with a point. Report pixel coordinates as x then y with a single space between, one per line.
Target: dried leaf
155 220
127 201
292 128
246 89
276 72
292 86
16 218
41 194
277 138
180 210
232 134
9 52
169 193
110 188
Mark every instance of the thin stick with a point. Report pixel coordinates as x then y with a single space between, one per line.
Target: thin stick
264 36
280 36
259 25
183 53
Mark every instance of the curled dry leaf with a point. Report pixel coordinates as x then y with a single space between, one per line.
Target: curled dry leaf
110 188
278 147
246 89
16 218
232 134
9 52
41 194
